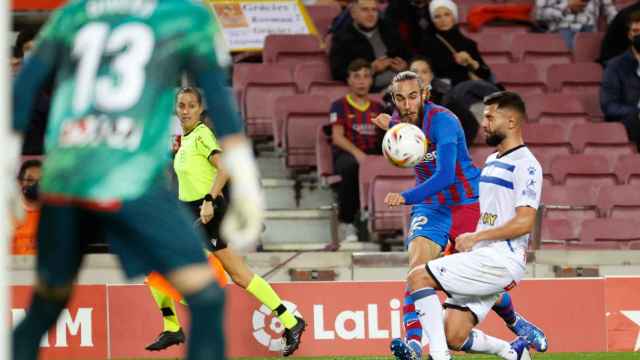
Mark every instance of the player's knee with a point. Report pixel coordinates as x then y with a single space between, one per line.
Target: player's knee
191 279
418 278
455 338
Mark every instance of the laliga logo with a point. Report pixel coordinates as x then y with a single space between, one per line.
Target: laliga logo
267 328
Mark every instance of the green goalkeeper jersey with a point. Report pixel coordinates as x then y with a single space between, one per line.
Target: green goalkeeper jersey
116 65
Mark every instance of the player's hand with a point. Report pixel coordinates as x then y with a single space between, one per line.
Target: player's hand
380 64
576 6
243 222
206 211
466 241
360 156
398 64
394 199
382 121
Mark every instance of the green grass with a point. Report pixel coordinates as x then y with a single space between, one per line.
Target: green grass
559 356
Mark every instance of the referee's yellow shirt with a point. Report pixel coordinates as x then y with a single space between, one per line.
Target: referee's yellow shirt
191 163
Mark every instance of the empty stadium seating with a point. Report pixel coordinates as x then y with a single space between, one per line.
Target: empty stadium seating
627 169
520 77
324 157
587 47
322 16
575 78
376 166
609 233
607 139
260 93
621 202
540 49
292 49
582 169
286 106
562 109
383 218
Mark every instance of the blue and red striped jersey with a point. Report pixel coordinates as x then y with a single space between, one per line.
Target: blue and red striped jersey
357 124
458 183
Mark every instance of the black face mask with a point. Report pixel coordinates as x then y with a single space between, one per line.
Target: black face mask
31 192
494 139
635 42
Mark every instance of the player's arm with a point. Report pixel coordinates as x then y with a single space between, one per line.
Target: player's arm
206 60
519 225
444 134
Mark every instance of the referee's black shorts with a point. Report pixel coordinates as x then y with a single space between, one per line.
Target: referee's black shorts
212 228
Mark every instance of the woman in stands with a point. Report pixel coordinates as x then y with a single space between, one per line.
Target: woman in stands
454 56
201 178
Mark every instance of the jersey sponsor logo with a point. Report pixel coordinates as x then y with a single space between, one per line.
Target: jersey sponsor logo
488 219
119 133
267 328
431 156
364 129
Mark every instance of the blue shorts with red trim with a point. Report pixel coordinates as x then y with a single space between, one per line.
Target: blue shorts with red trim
441 223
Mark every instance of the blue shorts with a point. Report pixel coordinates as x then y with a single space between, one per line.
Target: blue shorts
439 223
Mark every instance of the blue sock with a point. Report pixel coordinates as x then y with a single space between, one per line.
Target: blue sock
504 309
412 326
206 338
41 315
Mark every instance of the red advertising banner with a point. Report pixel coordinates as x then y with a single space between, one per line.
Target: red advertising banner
344 318
623 313
81 330
22 5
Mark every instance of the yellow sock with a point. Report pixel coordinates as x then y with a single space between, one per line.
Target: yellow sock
168 308
262 291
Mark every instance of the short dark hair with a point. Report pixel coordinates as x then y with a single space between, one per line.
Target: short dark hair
28 164
507 100
357 65
421 58
634 17
24 36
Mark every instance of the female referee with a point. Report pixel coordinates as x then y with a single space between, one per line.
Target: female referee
201 180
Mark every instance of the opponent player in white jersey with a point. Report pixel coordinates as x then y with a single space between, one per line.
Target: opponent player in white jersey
493 258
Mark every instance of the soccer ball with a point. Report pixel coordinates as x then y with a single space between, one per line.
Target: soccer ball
404 145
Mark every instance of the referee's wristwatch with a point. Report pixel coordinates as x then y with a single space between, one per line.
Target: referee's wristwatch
208 197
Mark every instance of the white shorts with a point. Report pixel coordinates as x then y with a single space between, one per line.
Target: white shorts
472 280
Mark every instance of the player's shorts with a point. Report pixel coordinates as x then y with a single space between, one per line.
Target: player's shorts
439 223
211 229
472 280
151 233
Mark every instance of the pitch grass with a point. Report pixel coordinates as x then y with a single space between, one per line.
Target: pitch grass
559 356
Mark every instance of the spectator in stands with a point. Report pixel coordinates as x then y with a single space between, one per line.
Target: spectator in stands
412 19
573 16
34 137
620 91
455 57
354 136
616 40
372 39
24 236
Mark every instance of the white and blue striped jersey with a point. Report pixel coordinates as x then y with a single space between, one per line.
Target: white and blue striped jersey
506 183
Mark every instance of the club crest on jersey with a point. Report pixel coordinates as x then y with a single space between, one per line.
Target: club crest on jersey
530 191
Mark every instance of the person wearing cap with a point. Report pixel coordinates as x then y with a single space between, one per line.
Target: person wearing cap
455 57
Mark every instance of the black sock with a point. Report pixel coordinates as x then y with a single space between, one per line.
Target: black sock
41 315
206 338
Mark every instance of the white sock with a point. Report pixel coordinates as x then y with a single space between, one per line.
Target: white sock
429 311
485 344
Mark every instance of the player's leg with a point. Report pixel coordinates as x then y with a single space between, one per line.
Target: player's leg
242 276
461 335
518 324
172 333
60 251
154 232
426 241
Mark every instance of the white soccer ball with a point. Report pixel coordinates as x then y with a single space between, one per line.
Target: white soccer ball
404 145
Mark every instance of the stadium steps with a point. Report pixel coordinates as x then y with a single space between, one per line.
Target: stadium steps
281 194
